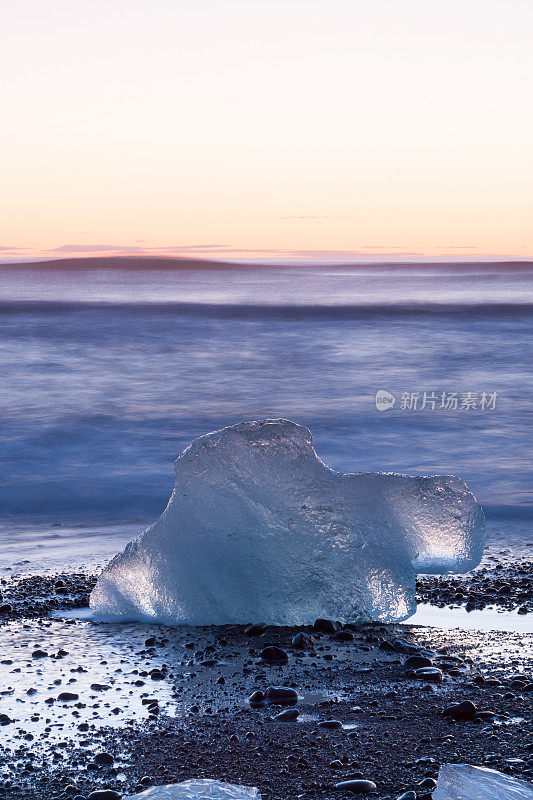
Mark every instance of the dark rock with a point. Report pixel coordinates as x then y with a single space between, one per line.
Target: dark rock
464 710
417 662
256 630
357 786
432 674
289 715
344 636
105 794
326 625
330 724
281 695
67 696
274 655
257 698
104 759
302 641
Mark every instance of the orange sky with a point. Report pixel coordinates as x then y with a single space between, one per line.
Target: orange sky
297 129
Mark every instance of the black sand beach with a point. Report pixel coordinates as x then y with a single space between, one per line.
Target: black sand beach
120 708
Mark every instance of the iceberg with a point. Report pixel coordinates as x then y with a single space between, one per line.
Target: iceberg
200 789
478 783
259 528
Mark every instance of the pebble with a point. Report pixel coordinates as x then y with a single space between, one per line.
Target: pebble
464 710
66 696
330 724
357 786
289 715
407 796
417 662
257 698
432 674
281 695
255 630
326 625
104 759
302 641
274 655
105 794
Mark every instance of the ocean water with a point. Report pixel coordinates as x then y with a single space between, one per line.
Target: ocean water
107 375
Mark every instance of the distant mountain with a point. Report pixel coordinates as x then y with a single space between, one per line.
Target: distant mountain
176 264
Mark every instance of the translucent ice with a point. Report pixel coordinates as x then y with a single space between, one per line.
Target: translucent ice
477 783
259 528
202 789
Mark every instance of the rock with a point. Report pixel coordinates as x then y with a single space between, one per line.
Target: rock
4 719
432 674
289 715
105 794
256 630
104 759
326 625
330 724
407 796
65 697
357 786
428 783
302 641
256 698
417 662
281 695
464 710
274 655
343 636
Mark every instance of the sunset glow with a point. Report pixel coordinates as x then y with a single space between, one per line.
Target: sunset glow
288 129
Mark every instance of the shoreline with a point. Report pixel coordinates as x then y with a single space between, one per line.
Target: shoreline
167 704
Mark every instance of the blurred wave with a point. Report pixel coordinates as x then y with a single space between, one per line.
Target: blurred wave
108 377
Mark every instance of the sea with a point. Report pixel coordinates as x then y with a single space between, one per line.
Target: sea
107 374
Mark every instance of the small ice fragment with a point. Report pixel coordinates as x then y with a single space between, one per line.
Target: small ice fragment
259 528
478 783
200 789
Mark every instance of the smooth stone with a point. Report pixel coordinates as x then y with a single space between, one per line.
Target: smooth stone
407 796
357 786
464 710
289 715
257 697
330 724
417 662
274 655
66 696
105 794
104 759
256 629
432 674
326 625
281 695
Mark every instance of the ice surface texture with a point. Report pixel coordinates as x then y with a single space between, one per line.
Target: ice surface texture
198 790
258 528
477 783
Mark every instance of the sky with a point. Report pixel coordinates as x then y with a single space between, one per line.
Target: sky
287 129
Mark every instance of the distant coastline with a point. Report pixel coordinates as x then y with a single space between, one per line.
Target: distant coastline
173 263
